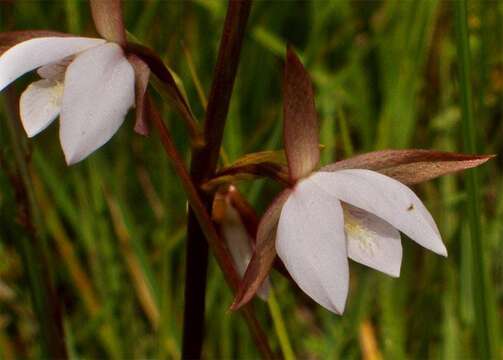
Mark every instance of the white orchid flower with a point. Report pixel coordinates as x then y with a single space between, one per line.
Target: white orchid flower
356 213
89 83
344 210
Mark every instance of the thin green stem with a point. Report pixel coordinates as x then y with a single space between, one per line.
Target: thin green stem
480 293
279 326
346 138
195 78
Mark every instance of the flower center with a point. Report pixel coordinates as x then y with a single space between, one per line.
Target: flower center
354 228
57 93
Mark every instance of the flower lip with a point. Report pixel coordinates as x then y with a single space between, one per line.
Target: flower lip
372 241
40 105
386 198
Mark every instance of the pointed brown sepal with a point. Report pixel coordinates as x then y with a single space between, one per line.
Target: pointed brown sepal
107 16
264 255
142 76
411 166
9 39
300 123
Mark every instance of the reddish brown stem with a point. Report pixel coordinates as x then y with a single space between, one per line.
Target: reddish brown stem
203 166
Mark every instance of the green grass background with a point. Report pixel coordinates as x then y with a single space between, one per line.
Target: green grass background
386 75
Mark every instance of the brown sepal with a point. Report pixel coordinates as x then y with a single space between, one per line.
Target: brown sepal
142 76
107 16
300 122
411 166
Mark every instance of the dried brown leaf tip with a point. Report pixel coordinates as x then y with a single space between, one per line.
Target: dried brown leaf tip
300 123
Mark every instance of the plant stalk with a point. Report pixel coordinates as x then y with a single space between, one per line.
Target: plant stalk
204 221
203 166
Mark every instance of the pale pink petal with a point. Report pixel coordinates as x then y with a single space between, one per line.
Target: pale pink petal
310 241
372 241
31 54
39 105
239 243
386 198
99 90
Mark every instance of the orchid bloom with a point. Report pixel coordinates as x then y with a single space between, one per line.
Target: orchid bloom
343 210
238 225
88 82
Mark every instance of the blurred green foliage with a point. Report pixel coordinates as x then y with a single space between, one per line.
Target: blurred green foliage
386 76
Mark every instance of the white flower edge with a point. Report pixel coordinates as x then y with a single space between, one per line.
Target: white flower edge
34 53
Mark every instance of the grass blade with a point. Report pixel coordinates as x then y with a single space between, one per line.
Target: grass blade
480 278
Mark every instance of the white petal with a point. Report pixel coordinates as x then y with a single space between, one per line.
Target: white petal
239 243
386 198
31 54
99 90
39 105
311 242
372 241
